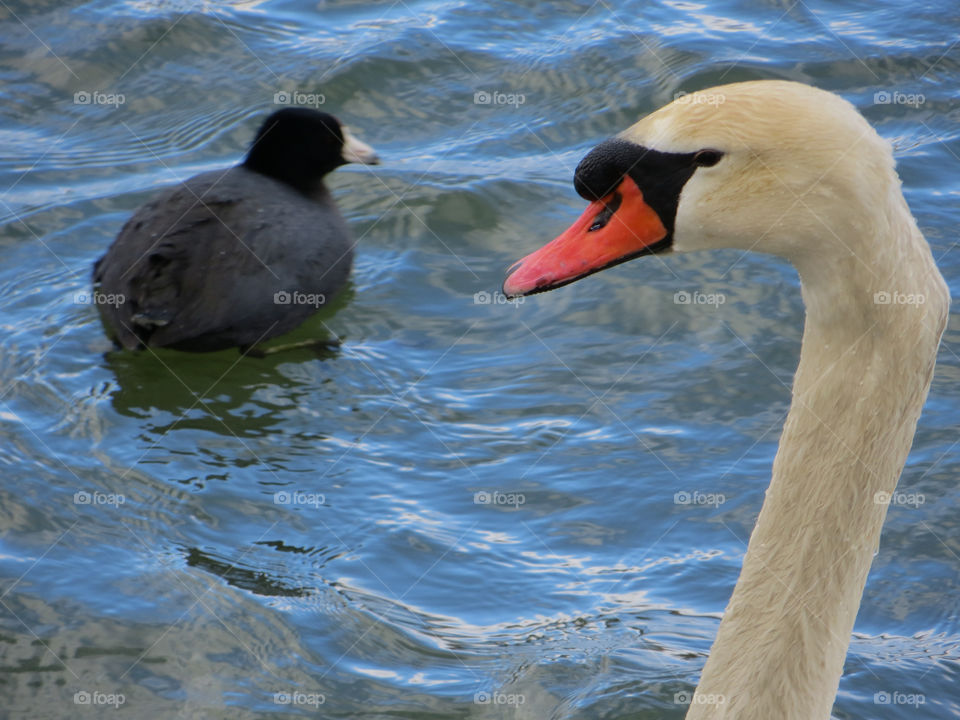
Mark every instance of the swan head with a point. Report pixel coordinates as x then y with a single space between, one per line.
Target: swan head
772 166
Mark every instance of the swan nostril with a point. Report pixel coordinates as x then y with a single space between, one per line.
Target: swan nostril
603 217
601 220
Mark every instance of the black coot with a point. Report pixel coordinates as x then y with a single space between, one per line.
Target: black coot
234 257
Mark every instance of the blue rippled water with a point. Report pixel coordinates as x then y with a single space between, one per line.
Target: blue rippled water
205 536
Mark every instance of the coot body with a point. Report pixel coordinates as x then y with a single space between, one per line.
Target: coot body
235 257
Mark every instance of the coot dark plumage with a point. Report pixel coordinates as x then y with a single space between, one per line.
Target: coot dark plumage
234 257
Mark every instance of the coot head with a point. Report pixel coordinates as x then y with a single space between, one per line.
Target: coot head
298 146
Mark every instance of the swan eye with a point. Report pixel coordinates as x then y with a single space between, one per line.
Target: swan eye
707 158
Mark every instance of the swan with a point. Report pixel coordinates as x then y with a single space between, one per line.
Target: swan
783 168
235 257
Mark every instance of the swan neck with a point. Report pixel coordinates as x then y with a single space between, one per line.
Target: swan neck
864 372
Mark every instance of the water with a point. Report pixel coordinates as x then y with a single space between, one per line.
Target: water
306 528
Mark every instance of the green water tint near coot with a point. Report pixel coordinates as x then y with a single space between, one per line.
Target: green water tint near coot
238 256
